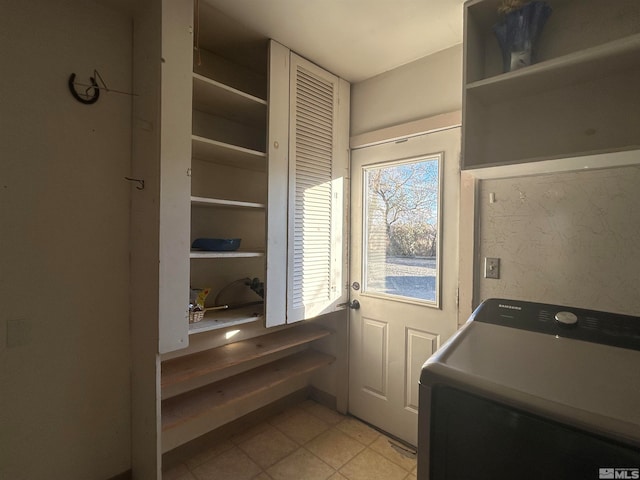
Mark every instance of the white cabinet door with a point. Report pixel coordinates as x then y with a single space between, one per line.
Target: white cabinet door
318 170
308 178
278 177
175 184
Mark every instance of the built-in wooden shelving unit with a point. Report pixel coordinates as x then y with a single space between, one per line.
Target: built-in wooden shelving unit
287 361
215 360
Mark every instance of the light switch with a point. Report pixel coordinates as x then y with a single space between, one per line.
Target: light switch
491 267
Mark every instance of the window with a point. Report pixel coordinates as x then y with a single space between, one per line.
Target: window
401 227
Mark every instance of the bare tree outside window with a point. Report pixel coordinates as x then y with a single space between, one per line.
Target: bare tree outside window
402 229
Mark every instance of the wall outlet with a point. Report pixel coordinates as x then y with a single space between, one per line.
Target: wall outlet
491 267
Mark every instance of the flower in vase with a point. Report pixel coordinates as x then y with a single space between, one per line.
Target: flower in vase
518 33
507 6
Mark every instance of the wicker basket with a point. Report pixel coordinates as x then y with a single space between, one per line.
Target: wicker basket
197 316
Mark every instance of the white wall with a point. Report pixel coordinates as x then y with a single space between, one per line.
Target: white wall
64 243
426 87
570 238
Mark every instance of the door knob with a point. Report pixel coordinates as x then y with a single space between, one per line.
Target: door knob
353 304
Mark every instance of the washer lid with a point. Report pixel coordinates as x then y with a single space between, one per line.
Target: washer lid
563 375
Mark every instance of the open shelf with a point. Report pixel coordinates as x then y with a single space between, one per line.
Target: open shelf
591 161
580 99
220 152
217 319
585 65
234 254
194 413
214 360
218 99
239 77
219 202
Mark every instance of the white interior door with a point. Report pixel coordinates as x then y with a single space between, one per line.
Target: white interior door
403 272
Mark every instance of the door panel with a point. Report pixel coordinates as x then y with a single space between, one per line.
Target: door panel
404 254
419 344
374 356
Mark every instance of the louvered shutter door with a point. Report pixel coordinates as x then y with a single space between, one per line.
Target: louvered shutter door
315 195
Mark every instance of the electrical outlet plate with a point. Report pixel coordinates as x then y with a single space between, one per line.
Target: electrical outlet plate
491 268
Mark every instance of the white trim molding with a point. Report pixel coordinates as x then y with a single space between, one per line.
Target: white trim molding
435 123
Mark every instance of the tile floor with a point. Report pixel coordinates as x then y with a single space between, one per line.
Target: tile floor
306 442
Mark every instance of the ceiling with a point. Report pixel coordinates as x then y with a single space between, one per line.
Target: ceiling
354 39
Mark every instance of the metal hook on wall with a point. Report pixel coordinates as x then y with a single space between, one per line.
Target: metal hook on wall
140 182
92 92
86 97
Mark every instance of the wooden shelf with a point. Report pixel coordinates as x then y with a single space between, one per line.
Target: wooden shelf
209 361
218 99
591 161
582 66
240 77
197 412
191 405
235 254
226 318
219 202
219 152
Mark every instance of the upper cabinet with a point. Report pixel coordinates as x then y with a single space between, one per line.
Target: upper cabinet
260 156
308 178
579 98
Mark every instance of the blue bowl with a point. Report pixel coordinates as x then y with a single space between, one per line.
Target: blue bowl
216 244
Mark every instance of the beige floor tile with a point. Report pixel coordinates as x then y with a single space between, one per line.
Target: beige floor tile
286 413
334 447
411 476
301 465
370 465
179 472
300 426
323 413
382 445
208 453
308 403
250 432
358 430
262 476
232 464
268 447
337 476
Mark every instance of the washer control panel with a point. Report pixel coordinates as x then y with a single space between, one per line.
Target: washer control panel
569 322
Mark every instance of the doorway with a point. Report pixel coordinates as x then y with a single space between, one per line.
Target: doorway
403 272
